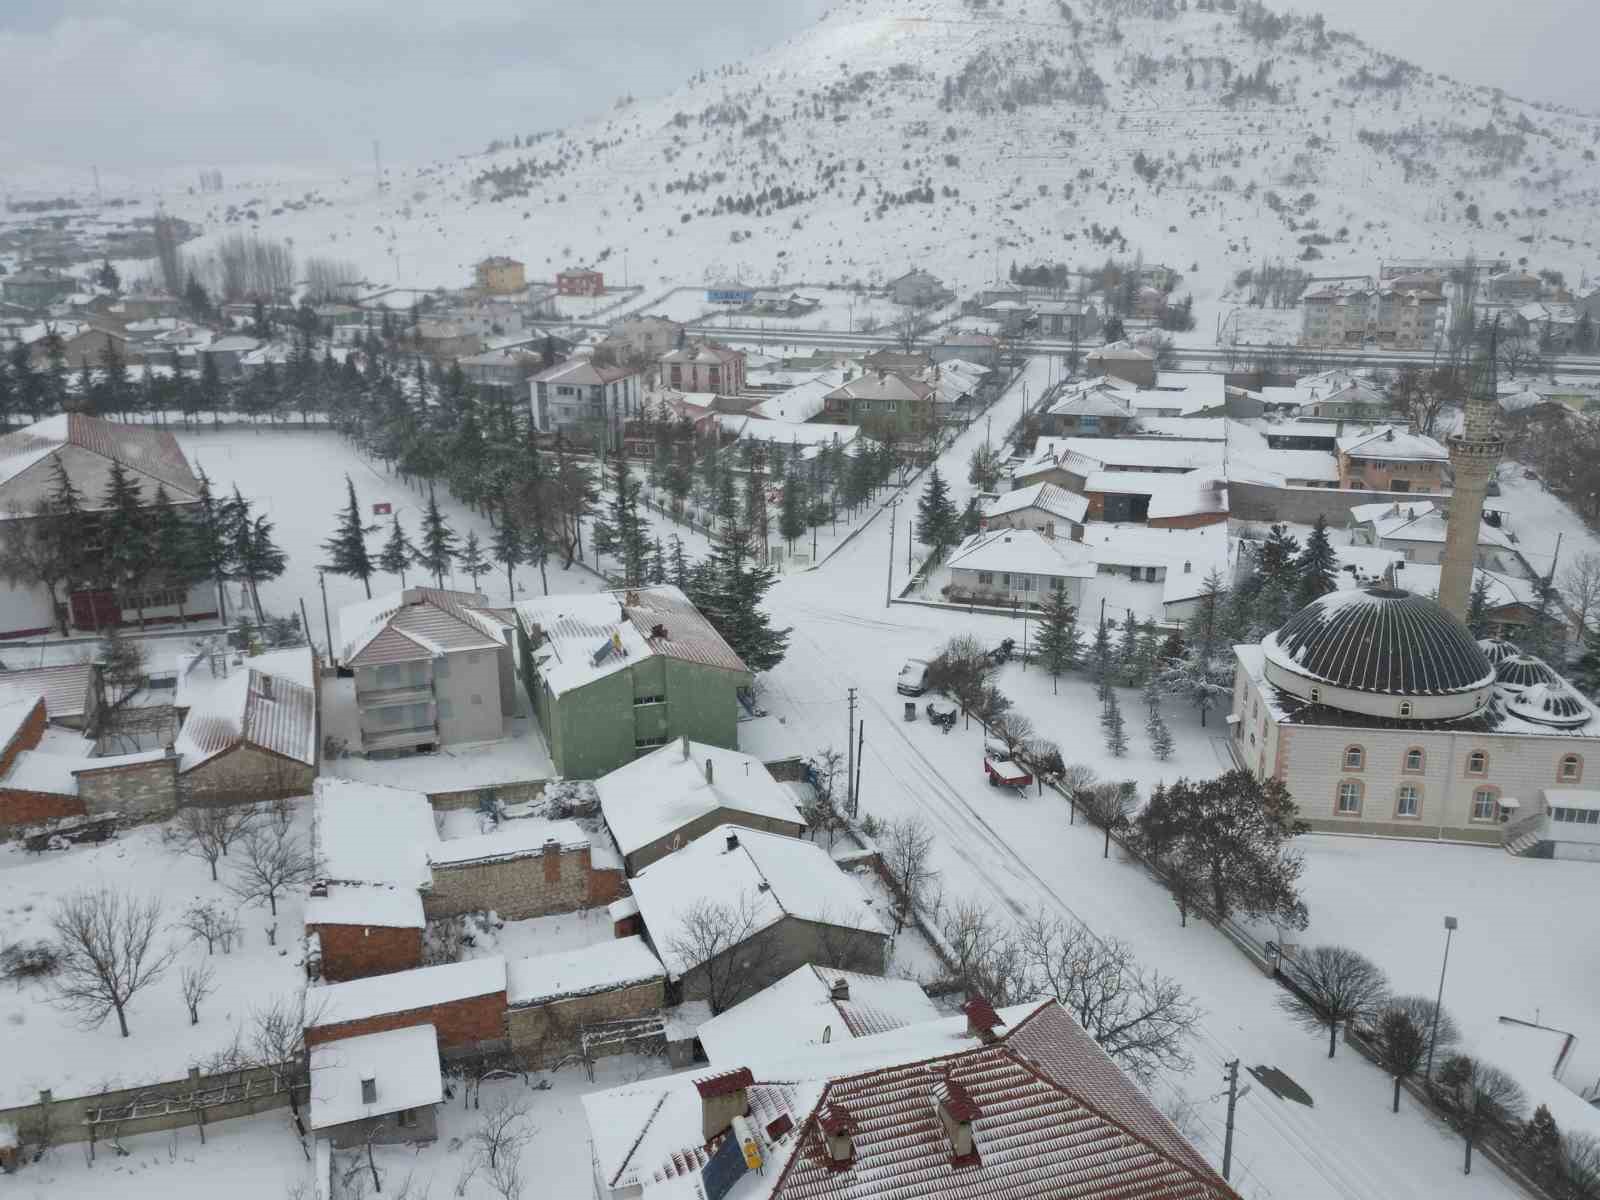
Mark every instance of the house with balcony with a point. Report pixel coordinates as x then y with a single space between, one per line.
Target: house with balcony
884 401
505 372
581 396
432 668
703 367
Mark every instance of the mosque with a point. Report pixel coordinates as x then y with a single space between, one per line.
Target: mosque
1381 714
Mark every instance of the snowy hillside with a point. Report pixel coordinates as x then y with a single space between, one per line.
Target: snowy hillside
963 135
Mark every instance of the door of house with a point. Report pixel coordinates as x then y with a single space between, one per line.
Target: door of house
95 610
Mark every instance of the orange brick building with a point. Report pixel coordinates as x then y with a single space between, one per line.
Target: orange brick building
465 1002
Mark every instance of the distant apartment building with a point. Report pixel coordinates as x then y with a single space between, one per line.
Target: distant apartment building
704 367
580 281
36 289
500 276
645 339
505 372
1404 318
886 401
919 289
581 396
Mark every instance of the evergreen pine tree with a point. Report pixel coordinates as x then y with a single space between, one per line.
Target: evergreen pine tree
436 550
1058 637
1160 737
257 558
937 519
680 568
1317 566
658 563
1112 722
1101 655
172 549
792 510
398 553
124 558
507 549
471 560
728 589
1478 608
347 548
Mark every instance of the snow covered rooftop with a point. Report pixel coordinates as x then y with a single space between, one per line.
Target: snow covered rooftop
1149 454
1022 551
36 771
570 632
776 876
1093 400
249 707
403 991
1194 494
799 403
1189 555
1431 527
510 839
1047 1106
14 715
802 1005
379 905
667 789
1046 497
200 682
808 434
153 455
1392 443
402 1066
417 624
65 688
602 967
368 833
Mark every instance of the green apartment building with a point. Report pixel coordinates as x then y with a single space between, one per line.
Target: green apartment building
616 675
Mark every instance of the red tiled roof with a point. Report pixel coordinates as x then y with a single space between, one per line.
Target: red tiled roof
956 1099
981 1013
723 1084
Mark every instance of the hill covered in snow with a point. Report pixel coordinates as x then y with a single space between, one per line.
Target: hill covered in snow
967 135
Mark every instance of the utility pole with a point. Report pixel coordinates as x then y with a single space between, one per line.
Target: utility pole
861 754
888 586
850 750
327 625
1233 1099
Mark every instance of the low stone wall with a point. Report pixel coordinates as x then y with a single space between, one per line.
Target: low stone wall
245 775
138 791
542 1033
461 1024
357 951
1488 835
534 885
517 792
176 1104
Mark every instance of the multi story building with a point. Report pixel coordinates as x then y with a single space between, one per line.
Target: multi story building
1388 459
500 276
581 396
1402 317
882 400
703 367
580 281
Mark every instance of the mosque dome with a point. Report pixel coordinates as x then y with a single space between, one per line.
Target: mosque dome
1498 649
1522 672
1380 651
1549 704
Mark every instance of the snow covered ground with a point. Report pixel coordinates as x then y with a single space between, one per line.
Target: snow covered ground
43 1046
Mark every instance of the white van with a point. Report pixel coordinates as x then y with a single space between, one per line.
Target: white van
913 679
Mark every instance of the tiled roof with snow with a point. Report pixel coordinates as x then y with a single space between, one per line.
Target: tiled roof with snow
152 453
510 839
602 967
251 708
798 404
802 1005
1091 402
1022 551
1046 497
881 385
368 833
666 789
402 991
773 875
402 1063
416 624
1051 1116
1392 443
584 373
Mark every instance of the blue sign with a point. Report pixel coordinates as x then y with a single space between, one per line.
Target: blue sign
724 1170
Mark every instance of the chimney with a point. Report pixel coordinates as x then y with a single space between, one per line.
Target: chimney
840 990
957 1110
733 840
722 1098
369 1090
837 1130
266 687
684 741
709 773
981 1020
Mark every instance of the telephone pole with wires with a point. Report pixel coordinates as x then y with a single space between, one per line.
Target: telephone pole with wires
1233 1099
850 749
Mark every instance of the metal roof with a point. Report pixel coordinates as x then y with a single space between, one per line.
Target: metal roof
415 625
265 711
151 452
65 688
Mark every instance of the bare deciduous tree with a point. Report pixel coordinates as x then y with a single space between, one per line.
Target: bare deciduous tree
822 812
273 861
1076 779
907 849
108 952
505 1177
1580 1165
503 1127
207 831
198 982
1580 583
1400 1035
989 961
207 921
1108 806
1140 1017
724 946
1480 1098
278 1037
1335 984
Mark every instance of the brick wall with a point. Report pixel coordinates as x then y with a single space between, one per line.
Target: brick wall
543 1032
1188 521
357 951
244 774
605 885
792 943
19 808
533 886
139 790
460 1023
26 738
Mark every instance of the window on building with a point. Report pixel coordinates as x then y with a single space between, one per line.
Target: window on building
1316 695
1057 583
1477 763
1408 800
1354 758
1405 708
1571 770
1415 759
406 1118
1005 579
1483 804
650 743
985 576
640 701
1349 797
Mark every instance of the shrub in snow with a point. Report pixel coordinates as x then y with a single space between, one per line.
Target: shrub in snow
22 961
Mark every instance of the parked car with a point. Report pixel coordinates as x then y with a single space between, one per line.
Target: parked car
913 679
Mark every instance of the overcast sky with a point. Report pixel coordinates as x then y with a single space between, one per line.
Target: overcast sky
117 82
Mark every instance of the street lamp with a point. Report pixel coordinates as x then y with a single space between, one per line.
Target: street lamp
1450 925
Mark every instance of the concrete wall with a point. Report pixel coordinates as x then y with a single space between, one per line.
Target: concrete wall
466 688
533 885
385 1130
517 792
244 774
541 1033
139 791
661 847
1303 505
461 1024
357 951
